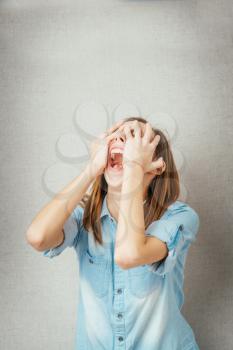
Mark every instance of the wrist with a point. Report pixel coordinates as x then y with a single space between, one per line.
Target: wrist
133 180
133 172
133 165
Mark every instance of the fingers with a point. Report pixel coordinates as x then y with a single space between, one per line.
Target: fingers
155 141
140 130
121 128
150 136
112 131
128 132
112 136
115 126
134 126
148 133
108 135
158 166
137 130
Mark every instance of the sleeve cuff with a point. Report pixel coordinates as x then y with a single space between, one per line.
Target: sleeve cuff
178 229
170 233
71 234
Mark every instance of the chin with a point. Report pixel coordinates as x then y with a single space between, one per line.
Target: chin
113 177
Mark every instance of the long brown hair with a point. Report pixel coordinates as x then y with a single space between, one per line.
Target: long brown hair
163 190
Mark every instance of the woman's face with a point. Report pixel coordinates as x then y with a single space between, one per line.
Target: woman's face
114 174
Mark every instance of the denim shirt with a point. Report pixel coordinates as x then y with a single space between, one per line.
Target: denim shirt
137 308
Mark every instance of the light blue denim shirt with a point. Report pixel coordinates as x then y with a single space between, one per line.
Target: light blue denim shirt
137 308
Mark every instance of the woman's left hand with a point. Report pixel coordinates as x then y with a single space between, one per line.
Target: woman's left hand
140 149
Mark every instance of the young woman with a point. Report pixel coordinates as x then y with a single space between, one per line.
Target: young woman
131 235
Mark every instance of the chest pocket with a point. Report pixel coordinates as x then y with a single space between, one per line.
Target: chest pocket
142 282
96 271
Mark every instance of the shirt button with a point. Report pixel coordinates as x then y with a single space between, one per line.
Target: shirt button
120 338
119 315
119 291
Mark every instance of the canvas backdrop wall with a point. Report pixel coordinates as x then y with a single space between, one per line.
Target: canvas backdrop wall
74 66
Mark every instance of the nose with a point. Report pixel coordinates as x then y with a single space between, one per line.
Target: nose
120 136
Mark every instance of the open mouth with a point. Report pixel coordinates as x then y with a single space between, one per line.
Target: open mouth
115 159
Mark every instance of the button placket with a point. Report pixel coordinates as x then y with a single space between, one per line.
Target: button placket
119 308
119 315
119 290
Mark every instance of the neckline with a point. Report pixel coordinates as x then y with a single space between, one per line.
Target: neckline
106 207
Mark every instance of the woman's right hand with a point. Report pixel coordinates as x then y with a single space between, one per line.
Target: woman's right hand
99 150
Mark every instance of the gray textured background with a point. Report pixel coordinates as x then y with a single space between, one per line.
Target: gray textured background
171 58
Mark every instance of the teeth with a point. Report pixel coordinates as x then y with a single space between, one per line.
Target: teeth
117 150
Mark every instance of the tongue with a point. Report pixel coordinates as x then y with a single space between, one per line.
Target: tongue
117 166
118 157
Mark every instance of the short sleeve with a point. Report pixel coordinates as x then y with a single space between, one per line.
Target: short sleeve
178 229
72 232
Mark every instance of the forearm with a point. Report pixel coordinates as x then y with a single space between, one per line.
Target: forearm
130 234
51 218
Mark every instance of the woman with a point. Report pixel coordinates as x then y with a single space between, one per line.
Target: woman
131 235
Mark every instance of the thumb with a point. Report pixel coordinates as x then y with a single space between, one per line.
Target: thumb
158 166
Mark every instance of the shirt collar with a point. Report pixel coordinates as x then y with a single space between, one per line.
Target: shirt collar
105 211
